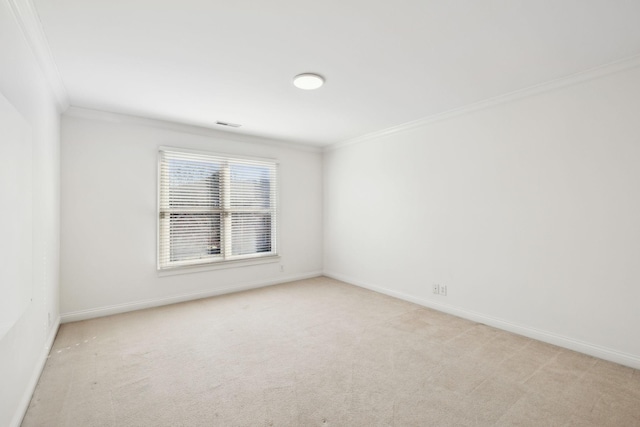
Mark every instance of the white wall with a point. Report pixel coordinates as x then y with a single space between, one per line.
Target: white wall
24 348
529 211
16 205
108 205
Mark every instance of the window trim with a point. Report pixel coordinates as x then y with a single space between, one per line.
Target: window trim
219 265
235 261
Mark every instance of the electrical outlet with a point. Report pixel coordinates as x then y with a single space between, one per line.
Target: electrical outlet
48 319
443 290
282 269
436 288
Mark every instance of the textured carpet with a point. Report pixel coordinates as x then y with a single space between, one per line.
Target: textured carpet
319 352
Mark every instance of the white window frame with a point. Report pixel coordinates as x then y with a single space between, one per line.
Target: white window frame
226 261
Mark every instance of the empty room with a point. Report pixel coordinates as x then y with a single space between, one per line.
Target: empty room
338 213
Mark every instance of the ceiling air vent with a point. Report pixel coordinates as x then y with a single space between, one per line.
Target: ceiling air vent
233 125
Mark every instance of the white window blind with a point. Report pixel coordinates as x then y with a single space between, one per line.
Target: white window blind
214 208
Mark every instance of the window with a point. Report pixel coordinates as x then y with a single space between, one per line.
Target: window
214 209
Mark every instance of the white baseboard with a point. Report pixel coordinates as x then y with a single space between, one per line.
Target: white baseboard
609 354
75 316
21 410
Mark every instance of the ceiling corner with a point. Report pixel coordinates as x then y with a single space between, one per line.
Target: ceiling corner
27 18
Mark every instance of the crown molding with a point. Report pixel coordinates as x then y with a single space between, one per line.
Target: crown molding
106 116
26 16
580 77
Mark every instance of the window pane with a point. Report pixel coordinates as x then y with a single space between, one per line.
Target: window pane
250 186
213 208
250 233
194 236
193 183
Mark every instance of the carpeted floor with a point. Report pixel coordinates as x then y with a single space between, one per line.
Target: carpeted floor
319 353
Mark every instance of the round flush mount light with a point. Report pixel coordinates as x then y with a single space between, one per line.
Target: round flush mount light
308 81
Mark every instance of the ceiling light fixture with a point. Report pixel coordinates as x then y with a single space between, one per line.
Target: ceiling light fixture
308 81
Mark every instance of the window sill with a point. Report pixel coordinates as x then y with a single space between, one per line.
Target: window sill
218 265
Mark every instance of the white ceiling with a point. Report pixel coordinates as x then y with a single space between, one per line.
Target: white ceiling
385 62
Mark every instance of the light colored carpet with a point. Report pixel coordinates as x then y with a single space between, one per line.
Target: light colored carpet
319 353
